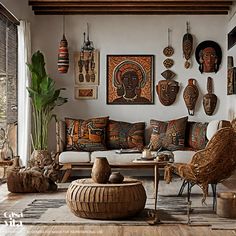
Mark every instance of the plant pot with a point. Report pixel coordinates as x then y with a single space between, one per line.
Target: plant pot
101 170
40 158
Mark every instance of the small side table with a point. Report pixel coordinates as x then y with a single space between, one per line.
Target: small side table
5 164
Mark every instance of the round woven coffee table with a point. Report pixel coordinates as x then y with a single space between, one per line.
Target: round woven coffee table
106 201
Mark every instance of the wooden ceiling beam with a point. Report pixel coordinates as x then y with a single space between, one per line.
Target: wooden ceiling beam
130 7
131 13
120 3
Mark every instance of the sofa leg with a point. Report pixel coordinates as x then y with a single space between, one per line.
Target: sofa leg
68 169
66 176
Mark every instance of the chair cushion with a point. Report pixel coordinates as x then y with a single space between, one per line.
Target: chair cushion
169 135
181 156
74 157
196 135
125 135
86 135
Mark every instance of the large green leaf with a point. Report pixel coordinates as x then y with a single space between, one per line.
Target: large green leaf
44 98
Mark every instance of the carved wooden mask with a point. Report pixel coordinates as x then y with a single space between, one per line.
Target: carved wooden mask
209 99
191 95
167 91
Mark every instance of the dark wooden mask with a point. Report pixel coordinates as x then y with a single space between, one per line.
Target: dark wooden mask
191 94
167 91
209 99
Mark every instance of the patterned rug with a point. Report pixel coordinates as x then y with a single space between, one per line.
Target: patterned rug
51 209
171 210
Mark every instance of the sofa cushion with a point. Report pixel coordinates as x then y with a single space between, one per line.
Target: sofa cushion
74 157
125 135
214 125
168 135
86 135
196 135
115 158
158 134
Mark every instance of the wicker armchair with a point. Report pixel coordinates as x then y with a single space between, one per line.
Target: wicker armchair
211 165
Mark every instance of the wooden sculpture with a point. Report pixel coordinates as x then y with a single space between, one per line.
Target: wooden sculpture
167 91
209 99
31 180
191 94
187 47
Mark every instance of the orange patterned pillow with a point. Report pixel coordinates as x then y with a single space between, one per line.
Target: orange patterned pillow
93 129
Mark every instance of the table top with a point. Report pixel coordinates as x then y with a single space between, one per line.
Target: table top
90 182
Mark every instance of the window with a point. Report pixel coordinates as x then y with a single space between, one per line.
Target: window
8 71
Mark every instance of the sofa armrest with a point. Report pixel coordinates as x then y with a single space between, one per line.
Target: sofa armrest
60 135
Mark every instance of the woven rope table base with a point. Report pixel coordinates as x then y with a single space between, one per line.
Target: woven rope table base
87 199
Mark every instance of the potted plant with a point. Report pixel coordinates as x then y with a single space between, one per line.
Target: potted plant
44 98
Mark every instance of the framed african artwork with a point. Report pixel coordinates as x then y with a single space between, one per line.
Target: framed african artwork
130 79
86 92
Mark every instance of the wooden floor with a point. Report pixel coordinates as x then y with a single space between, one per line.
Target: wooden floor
163 230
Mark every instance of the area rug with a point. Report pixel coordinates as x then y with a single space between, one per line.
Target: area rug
51 209
54 211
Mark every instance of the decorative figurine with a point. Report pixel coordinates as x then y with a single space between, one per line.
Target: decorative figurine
191 94
209 99
208 54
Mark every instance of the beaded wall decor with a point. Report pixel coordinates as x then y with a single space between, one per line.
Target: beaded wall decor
63 55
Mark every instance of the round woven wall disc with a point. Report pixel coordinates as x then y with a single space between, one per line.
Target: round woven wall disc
168 63
168 51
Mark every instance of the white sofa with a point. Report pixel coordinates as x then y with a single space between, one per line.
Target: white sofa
69 159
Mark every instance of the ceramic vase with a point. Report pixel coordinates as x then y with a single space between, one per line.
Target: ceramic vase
101 170
116 178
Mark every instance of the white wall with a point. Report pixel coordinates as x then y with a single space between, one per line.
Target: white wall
231 99
19 8
129 35
134 35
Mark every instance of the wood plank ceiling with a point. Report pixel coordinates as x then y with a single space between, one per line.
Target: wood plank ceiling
145 7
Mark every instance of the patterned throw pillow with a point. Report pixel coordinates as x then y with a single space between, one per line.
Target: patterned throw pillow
125 135
92 130
168 135
196 133
158 133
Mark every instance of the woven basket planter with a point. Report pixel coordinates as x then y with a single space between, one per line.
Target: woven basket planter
105 201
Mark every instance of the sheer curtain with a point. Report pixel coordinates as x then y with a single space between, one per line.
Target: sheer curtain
24 113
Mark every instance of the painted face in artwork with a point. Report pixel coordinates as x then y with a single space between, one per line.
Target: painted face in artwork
130 82
208 58
167 91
